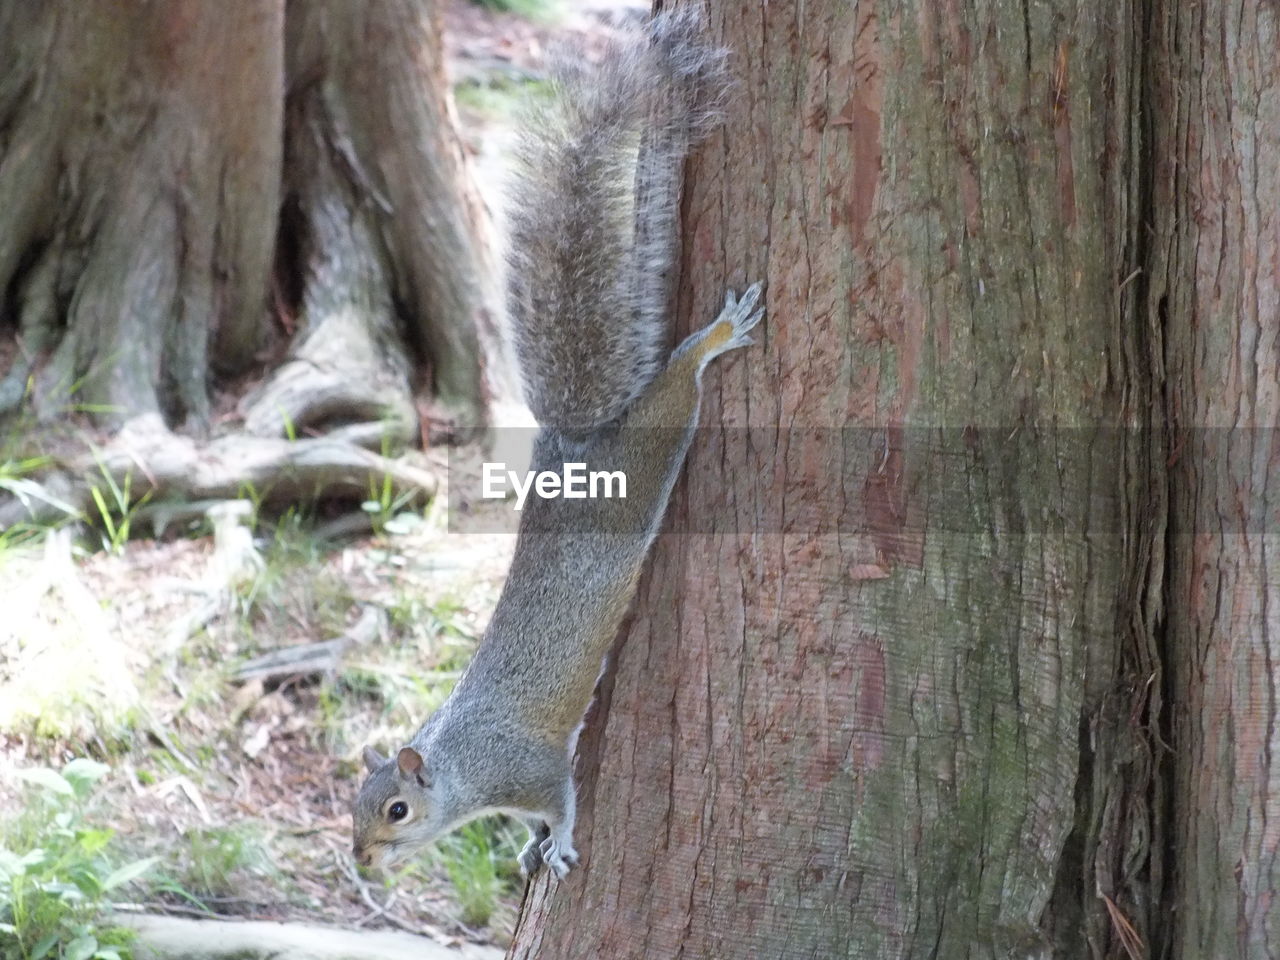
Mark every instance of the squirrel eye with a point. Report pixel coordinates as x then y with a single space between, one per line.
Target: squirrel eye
397 811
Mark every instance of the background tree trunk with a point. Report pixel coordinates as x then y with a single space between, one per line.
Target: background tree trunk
383 241
878 699
1216 286
139 181
146 151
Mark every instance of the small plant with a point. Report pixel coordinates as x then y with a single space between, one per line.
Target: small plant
290 428
384 505
434 628
294 587
499 98
217 855
409 678
480 861
15 480
57 874
19 535
386 509
116 508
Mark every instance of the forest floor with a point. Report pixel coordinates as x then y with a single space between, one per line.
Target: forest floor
241 784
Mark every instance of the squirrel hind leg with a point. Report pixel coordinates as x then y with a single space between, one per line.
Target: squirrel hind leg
728 331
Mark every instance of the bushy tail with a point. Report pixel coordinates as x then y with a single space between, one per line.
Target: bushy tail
593 213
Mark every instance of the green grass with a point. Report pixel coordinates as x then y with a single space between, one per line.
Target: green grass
499 98
412 677
402 683
215 863
216 858
533 9
19 535
480 861
433 629
58 872
116 506
16 480
65 676
294 589
387 509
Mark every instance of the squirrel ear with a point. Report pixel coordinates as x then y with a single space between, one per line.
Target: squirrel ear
373 760
410 763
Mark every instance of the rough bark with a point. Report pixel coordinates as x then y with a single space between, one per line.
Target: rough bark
383 234
139 177
1216 288
871 703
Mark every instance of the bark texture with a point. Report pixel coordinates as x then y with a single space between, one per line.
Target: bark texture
871 701
1216 285
139 181
382 230
146 153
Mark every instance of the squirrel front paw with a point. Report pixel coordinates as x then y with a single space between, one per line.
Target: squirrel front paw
560 857
530 857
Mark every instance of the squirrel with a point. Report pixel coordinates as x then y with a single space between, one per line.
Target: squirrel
592 241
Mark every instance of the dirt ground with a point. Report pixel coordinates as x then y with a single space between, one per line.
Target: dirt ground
262 772
242 784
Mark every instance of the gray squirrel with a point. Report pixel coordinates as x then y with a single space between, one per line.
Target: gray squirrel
592 243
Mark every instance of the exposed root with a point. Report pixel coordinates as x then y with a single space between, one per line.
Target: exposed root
300 396
164 465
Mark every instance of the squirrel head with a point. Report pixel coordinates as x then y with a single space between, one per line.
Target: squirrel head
392 813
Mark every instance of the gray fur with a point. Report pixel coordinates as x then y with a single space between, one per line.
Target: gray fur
504 739
592 253
593 212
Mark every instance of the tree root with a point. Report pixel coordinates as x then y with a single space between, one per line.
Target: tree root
159 938
158 464
301 396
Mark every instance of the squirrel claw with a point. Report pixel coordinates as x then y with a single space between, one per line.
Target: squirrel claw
742 314
560 859
530 858
743 306
744 321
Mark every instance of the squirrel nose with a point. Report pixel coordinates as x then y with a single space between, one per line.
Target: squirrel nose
363 857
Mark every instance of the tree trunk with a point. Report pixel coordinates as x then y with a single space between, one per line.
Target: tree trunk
139 182
381 233
1216 285
146 151
878 698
